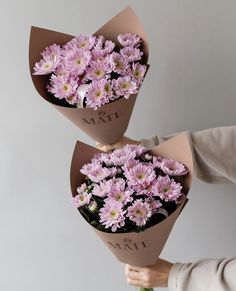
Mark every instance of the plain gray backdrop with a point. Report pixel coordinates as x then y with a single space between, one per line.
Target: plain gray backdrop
44 243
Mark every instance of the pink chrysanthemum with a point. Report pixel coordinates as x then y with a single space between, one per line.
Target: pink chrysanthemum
167 189
76 60
61 70
157 160
129 39
138 149
83 197
102 189
118 63
103 60
44 67
138 72
131 54
82 188
129 164
97 71
114 171
102 158
121 156
139 212
73 99
140 177
96 95
62 86
81 41
124 86
51 59
112 214
52 52
153 204
119 192
95 172
173 168
103 47
85 41
108 89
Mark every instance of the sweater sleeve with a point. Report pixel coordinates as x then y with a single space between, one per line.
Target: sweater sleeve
214 161
207 274
214 153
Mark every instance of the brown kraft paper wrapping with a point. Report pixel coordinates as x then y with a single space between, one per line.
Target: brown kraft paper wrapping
143 248
109 122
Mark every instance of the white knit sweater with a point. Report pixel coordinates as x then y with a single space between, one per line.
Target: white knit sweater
214 155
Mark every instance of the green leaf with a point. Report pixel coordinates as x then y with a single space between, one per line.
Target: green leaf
102 228
94 223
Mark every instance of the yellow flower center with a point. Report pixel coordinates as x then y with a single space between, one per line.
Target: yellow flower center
140 176
113 213
139 212
166 189
125 85
98 94
99 73
83 44
47 66
137 73
107 87
79 61
66 87
118 197
118 65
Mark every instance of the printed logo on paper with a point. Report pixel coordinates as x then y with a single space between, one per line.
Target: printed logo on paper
101 118
129 245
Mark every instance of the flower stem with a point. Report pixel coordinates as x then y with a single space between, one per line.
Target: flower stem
146 289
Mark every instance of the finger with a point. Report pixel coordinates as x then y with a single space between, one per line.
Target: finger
133 276
126 269
110 147
104 148
136 283
139 283
134 268
132 273
114 146
99 145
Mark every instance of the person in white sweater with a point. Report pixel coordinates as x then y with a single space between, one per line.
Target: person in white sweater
214 155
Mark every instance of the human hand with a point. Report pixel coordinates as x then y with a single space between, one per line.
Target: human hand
149 277
120 143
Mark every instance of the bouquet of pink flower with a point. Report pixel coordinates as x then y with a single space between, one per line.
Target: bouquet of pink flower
90 71
129 189
131 196
103 71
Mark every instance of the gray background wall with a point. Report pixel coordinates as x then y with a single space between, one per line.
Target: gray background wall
44 244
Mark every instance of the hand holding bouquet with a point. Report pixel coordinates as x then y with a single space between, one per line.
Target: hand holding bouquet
131 196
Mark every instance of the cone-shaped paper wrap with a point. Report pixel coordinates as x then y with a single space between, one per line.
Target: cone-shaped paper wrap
143 248
109 122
